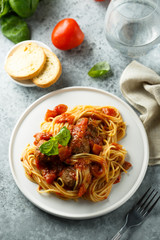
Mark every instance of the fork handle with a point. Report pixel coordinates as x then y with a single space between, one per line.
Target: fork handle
117 236
120 232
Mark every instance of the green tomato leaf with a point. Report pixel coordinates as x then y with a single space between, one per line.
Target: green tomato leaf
15 28
63 136
4 7
50 147
24 8
100 69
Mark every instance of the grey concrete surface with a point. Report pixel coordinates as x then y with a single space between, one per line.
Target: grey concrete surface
19 218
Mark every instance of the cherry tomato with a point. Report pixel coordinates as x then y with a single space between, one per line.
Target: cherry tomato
67 34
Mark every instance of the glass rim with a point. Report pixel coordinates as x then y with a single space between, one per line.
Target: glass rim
141 18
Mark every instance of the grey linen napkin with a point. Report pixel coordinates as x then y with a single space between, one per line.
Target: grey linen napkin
141 87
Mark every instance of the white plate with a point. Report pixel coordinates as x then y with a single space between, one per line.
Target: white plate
135 142
25 83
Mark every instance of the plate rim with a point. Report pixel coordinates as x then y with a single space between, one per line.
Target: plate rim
115 205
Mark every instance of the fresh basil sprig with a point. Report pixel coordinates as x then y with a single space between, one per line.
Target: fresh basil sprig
100 69
51 146
15 28
4 7
24 8
12 14
63 136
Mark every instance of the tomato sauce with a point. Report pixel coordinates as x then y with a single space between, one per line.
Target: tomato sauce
96 170
80 128
64 153
49 166
81 164
109 111
41 136
65 117
118 146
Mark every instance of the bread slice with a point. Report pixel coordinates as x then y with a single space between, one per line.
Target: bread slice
51 71
25 62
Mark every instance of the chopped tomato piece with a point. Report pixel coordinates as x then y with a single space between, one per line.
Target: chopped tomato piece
41 136
127 165
61 108
50 178
96 149
118 179
49 175
59 194
109 111
50 114
58 110
118 146
82 190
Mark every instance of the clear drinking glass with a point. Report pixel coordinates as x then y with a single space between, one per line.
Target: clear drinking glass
133 26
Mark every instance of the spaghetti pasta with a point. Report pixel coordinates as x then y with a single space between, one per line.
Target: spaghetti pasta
91 161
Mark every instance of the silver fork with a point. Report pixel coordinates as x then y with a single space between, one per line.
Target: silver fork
139 212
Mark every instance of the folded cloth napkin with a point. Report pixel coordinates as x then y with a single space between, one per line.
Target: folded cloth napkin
141 87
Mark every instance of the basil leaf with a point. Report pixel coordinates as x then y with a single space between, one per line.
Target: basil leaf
50 147
100 69
4 7
24 8
15 28
63 136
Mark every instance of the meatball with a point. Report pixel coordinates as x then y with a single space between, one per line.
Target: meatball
93 136
64 153
80 146
40 156
69 177
44 161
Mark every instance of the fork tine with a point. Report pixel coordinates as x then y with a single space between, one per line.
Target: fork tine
147 204
143 197
150 209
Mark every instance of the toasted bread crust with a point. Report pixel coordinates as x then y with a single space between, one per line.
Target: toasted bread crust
51 71
25 62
